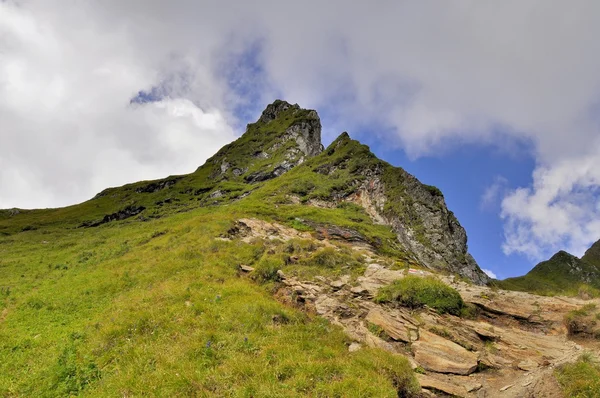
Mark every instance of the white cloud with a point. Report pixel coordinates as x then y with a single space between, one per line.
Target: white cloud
434 74
490 273
493 193
68 129
560 211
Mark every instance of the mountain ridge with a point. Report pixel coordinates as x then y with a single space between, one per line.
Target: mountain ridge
562 273
284 138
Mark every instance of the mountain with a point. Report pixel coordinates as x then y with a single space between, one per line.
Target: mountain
280 160
277 268
563 273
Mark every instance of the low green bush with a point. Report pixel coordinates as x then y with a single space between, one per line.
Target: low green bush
414 292
583 321
331 258
587 292
266 269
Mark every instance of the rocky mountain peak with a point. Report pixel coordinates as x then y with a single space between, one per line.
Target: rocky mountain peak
272 111
302 125
284 137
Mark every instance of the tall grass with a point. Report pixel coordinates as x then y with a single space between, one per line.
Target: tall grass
580 379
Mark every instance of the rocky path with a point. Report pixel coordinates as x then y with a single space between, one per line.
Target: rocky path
510 348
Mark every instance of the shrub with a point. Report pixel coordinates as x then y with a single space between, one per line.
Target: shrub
582 321
435 191
266 269
414 292
469 311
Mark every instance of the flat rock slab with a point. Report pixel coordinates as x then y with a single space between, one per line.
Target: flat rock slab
528 365
439 355
398 328
376 276
446 386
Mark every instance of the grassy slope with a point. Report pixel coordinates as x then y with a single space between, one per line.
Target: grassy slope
592 255
158 306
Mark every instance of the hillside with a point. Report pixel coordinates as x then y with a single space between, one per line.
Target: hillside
563 273
330 181
278 268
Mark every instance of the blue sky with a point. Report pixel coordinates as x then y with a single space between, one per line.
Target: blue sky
494 103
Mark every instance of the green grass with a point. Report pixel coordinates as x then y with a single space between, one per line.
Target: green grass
158 308
580 379
415 292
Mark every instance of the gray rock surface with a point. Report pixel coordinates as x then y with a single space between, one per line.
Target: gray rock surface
441 242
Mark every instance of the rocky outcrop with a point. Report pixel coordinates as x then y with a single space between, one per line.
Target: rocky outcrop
157 185
123 214
397 324
284 137
248 229
508 345
272 111
417 213
441 355
434 237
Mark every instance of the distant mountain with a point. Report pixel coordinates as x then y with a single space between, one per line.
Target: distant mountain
592 255
563 273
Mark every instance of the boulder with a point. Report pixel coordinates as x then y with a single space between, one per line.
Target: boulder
446 386
398 329
437 354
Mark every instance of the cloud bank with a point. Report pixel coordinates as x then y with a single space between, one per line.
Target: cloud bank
490 273
430 75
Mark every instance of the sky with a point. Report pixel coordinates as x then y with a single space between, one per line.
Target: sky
496 103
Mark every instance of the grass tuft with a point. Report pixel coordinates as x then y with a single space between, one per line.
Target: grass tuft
414 292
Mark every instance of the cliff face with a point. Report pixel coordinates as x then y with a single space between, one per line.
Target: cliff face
416 212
